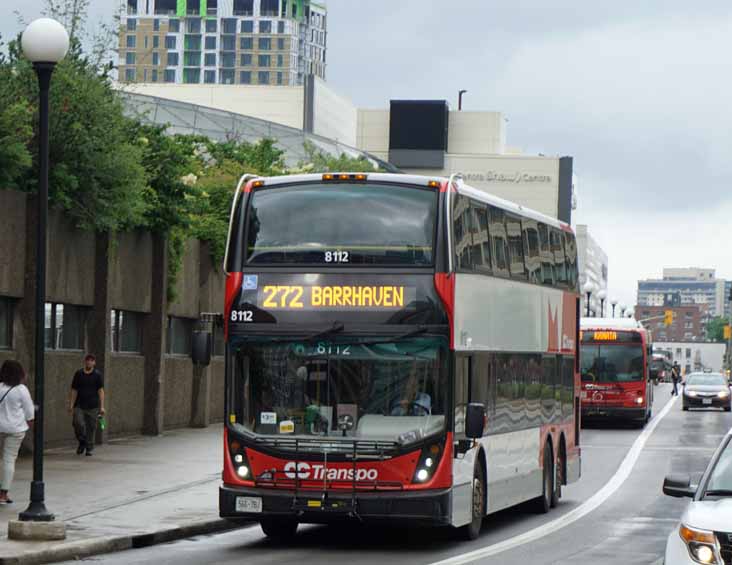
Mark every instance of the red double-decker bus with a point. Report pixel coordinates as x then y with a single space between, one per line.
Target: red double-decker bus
397 348
615 356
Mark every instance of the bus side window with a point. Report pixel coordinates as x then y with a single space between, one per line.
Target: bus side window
570 251
462 232
560 267
499 242
547 257
462 392
481 253
480 383
515 247
531 250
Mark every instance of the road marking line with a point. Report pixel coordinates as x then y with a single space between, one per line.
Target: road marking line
615 482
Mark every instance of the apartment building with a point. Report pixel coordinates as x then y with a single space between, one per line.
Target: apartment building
265 42
691 285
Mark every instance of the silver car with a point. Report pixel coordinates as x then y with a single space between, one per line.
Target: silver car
705 532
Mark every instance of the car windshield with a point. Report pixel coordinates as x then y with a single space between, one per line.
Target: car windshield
706 380
351 224
376 389
611 363
720 479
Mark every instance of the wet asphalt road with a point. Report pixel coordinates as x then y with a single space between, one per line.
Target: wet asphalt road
630 527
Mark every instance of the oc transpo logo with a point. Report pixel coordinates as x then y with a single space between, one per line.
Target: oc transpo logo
319 472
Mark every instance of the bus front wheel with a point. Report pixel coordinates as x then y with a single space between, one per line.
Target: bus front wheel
472 530
280 529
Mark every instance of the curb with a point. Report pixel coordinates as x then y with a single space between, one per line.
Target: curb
86 548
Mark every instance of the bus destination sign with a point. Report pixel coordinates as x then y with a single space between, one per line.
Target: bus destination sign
610 335
335 297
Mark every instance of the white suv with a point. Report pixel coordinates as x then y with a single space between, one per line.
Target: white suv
705 532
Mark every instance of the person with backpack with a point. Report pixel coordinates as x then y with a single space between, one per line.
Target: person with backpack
16 416
675 377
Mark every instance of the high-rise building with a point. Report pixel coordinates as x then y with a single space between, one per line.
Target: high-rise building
592 264
691 285
270 42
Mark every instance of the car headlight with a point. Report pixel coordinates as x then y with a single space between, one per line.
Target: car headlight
702 545
723 394
691 393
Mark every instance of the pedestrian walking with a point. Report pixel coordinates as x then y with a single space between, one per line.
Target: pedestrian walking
86 403
675 377
16 416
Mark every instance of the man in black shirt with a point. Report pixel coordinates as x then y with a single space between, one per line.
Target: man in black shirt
86 402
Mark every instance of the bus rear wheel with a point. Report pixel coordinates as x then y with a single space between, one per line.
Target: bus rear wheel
543 503
472 530
281 529
558 477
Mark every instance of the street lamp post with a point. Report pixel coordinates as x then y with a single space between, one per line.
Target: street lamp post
622 309
614 303
602 295
460 99
588 288
630 312
44 42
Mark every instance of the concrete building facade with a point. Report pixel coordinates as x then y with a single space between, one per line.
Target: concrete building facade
691 285
692 356
108 297
593 267
690 322
264 42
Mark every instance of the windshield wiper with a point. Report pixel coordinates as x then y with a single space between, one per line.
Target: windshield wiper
718 492
334 329
386 339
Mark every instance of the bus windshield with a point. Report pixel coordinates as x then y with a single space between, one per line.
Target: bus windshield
612 363
376 224
377 389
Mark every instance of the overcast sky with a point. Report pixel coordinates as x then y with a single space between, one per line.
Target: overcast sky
637 92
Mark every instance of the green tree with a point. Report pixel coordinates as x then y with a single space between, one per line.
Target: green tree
715 329
319 162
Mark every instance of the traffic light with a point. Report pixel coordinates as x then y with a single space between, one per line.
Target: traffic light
668 317
727 332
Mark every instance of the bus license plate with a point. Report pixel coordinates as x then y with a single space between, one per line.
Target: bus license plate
248 504
706 400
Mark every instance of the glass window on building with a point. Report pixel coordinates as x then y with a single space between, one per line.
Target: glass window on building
211 26
263 77
126 331
173 59
174 26
156 58
170 42
265 26
169 75
228 60
269 7
210 60
246 60
280 61
247 26
193 25
131 24
265 44
155 75
245 77
130 58
156 24
228 42
280 27
280 44
156 41
65 326
226 76
243 7
209 77
246 43
192 59
6 323
192 42
228 25
131 42
192 76
180 332
211 43
279 78
264 61
129 75
193 7
688 352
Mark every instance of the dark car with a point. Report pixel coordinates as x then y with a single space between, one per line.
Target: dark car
706 390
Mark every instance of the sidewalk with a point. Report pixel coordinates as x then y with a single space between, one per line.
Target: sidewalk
133 492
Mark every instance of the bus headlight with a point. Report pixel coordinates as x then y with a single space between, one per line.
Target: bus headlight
702 545
239 458
639 400
428 462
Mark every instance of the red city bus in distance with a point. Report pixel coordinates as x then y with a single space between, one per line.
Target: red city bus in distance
615 365
397 348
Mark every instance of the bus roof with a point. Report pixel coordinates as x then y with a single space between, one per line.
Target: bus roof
422 180
627 324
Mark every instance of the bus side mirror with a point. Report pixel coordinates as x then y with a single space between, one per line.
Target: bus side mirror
201 348
474 420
